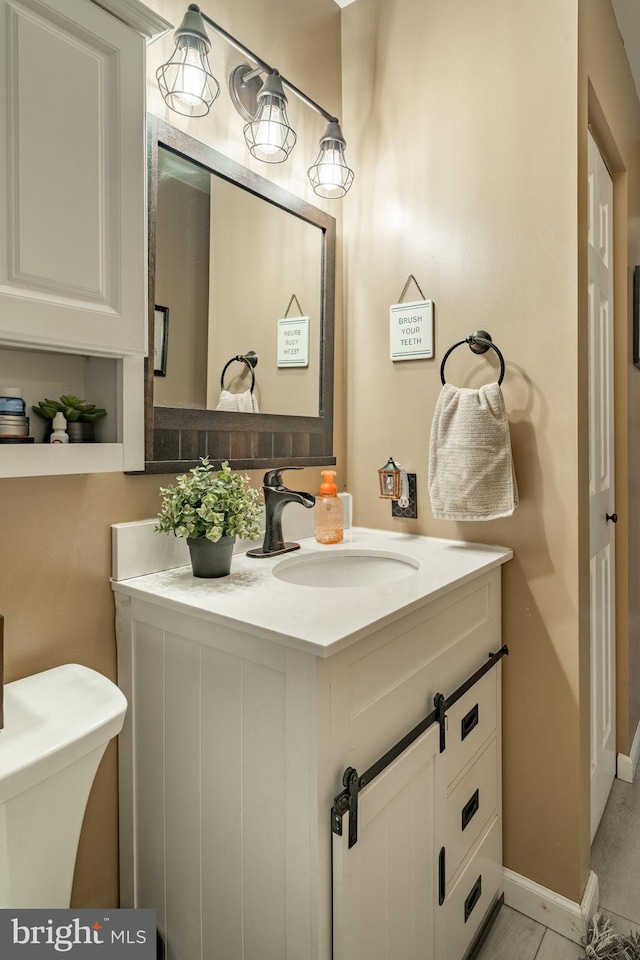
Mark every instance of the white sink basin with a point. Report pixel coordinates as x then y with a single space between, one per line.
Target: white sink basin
346 568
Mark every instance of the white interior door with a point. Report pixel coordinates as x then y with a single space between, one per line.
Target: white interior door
601 484
384 886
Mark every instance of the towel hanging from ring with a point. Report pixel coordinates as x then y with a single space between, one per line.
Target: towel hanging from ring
471 474
246 401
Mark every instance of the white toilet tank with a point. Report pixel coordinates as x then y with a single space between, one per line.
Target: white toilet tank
57 725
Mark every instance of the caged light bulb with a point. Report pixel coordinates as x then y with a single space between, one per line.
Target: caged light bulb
269 136
270 133
330 176
191 78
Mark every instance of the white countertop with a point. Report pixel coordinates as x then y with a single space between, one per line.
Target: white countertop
318 620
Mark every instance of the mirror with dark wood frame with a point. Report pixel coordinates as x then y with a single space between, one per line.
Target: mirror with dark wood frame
182 426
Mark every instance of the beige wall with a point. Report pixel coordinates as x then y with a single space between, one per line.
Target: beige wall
280 255
463 137
485 202
55 540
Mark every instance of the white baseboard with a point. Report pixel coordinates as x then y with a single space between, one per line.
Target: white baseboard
566 917
626 766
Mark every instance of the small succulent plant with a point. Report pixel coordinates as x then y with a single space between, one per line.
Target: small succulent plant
73 408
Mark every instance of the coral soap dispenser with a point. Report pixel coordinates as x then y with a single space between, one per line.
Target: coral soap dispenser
328 511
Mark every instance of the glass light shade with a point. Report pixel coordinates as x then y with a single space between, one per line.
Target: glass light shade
330 176
186 82
269 135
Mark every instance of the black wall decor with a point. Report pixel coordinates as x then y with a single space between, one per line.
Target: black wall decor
636 316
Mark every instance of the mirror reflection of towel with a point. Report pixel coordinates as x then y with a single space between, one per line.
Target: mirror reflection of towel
471 474
245 402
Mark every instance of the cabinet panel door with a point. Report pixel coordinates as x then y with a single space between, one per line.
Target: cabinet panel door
384 886
72 179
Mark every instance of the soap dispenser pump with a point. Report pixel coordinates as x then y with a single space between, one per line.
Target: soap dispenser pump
328 511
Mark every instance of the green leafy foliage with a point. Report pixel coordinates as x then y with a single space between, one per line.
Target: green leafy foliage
210 503
73 408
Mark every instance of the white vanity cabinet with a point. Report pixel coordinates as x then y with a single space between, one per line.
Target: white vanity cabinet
73 213
409 884
238 736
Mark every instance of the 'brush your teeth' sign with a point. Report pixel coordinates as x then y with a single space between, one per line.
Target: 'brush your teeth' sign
293 342
411 330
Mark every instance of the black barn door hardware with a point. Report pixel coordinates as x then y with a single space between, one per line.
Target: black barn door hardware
440 704
347 801
469 721
470 809
472 899
442 876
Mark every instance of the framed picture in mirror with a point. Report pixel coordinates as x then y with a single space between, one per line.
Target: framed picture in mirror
636 316
160 341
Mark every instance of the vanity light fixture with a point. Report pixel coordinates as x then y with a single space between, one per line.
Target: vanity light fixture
188 87
186 82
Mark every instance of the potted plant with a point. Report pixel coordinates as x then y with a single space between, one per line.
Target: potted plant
210 508
80 416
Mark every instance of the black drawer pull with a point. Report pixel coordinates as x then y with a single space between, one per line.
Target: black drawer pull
469 722
441 877
473 898
470 809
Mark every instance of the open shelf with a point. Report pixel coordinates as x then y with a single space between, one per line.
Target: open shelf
115 383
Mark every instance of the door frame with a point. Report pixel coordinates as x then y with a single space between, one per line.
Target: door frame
602 489
599 128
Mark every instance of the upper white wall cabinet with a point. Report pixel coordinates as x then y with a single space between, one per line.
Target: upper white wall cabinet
72 179
73 224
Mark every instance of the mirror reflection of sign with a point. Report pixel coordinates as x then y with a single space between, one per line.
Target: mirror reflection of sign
293 342
411 330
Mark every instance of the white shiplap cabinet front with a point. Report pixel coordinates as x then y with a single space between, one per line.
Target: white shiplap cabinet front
235 747
72 179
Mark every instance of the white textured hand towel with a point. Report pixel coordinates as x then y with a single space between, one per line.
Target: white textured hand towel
471 475
245 402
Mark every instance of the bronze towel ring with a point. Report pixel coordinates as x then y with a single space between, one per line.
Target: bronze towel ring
250 358
479 342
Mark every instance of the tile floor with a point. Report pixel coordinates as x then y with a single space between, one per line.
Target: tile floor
615 858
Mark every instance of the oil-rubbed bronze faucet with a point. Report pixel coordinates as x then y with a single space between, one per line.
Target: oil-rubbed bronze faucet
276 497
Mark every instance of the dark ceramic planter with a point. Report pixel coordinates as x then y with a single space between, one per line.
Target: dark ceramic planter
80 432
210 559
